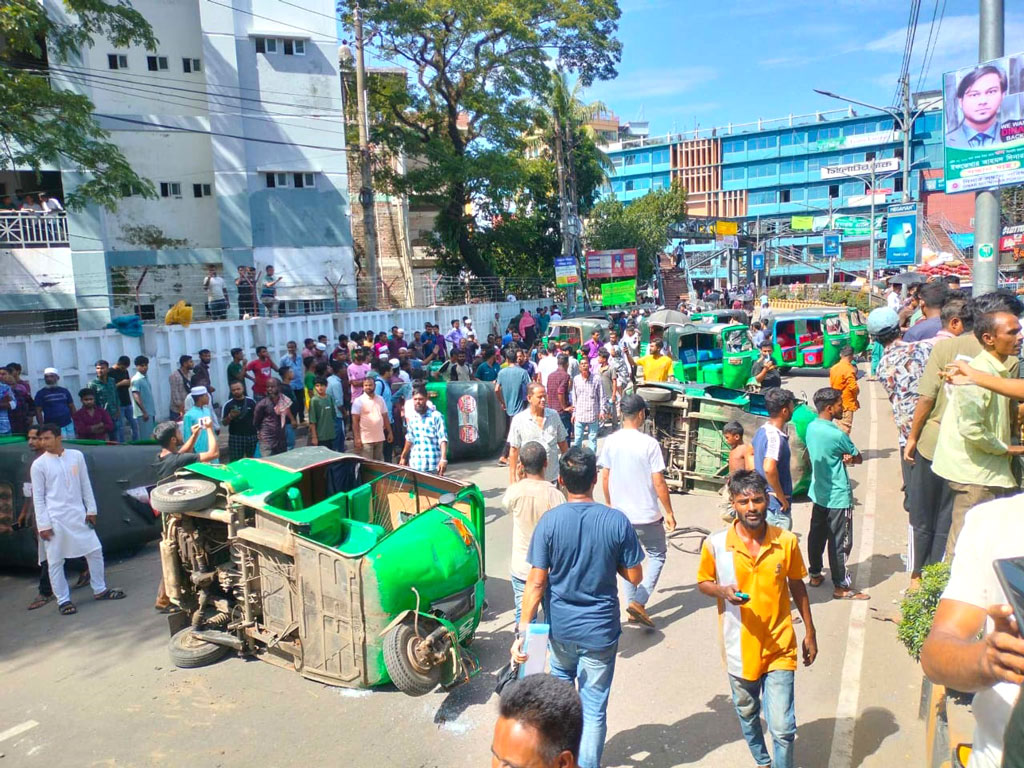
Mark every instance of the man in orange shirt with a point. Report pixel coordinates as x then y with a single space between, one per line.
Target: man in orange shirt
843 376
752 569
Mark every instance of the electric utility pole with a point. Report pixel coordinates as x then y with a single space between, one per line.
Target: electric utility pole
986 202
365 163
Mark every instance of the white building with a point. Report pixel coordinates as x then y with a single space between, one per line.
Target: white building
236 119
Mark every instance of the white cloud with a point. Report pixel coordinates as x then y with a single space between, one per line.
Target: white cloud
652 83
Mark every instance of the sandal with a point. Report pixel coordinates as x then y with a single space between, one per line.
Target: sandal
851 594
110 594
67 609
40 601
817 581
84 579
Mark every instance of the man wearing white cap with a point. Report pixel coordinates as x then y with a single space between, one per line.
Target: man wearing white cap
54 404
397 342
195 415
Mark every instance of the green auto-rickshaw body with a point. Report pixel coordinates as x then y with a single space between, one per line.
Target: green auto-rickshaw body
576 331
320 556
809 338
715 354
858 326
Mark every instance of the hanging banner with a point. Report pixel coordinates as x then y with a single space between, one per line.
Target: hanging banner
802 223
984 125
565 271
621 292
615 263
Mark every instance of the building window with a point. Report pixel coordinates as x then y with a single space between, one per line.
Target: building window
833 191
117 61
762 142
869 156
170 189
734 174
291 180
303 180
898 152
764 170
300 47
733 146
792 166
201 190
819 192
659 156
156 63
191 65
266 44
897 183
617 161
638 158
129 191
768 197
784 196
793 139
813 164
661 182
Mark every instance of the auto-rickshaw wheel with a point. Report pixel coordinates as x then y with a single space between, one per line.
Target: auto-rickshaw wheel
408 674
188 652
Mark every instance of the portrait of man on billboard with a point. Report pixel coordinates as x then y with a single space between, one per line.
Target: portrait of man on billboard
979 95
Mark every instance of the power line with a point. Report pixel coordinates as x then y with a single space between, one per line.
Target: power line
929 55
266 18
217 133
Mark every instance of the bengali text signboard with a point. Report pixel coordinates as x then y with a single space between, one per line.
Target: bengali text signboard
618 293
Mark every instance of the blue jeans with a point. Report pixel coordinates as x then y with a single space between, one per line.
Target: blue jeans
339 435
652 539
589 429
773 692
593 669
118 433
776 516
289 435
518 587
127 417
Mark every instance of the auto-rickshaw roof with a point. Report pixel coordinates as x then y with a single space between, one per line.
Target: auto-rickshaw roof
809 312
712 328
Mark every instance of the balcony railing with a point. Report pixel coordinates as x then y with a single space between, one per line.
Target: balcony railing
30 229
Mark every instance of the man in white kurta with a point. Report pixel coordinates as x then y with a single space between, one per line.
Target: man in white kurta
65 511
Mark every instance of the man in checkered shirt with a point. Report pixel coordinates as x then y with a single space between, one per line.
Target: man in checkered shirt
588 401
426 440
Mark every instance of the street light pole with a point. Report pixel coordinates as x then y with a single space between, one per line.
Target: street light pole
986 202
365 164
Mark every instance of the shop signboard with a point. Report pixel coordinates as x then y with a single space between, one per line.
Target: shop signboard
830 243
984 125
901 239
1012 237
615 263
565 270
802 223
886 165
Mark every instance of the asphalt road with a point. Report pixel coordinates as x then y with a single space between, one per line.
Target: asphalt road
97 689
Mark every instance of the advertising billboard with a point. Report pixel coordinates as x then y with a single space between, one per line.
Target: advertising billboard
983 112
901 239
830 243
621 292
885 165
565 270
617 263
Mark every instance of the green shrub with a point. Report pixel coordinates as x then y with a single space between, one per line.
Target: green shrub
918 608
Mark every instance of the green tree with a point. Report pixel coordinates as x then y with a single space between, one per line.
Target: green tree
480 68
1012 201
643 224
41 126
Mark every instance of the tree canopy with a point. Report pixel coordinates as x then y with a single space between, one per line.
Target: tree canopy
41 126
643 224
479 70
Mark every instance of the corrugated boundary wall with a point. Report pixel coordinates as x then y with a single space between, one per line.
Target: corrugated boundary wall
75 353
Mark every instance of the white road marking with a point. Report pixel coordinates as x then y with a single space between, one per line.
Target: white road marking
849 687
17 730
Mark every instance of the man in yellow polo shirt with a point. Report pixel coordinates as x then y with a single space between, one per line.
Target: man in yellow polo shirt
752 568
656 365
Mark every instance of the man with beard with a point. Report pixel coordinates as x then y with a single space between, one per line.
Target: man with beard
268 418
426 440
751 564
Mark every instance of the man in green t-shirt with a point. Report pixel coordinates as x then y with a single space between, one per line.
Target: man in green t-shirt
321 414
236 368
831 450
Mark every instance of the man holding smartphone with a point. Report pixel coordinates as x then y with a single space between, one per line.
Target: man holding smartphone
759 639
972 605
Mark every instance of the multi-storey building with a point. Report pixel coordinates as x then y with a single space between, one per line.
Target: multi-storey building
767 172
236 119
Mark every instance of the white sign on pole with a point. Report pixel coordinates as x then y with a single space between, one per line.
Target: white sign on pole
861 169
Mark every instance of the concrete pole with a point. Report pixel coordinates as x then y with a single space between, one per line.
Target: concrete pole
986 202
908 127
365 164
871 238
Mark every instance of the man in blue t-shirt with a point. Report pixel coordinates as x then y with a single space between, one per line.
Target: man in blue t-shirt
511 387
54 404
577 550
771 456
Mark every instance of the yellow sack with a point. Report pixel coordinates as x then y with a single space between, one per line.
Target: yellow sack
179 314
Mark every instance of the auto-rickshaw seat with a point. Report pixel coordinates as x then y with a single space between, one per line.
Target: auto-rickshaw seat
358 538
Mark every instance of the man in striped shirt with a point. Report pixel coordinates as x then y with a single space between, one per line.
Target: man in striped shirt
588 405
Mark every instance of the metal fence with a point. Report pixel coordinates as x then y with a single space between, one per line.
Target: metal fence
29 229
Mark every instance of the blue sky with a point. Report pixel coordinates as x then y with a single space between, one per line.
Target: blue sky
737 60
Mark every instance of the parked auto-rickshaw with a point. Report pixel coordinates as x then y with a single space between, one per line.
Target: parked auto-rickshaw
717 354
653 326
351 572
809 338
576 331
859 338
721 316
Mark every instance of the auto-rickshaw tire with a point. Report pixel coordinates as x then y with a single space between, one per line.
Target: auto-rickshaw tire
406 676
655 394
183 495
188 653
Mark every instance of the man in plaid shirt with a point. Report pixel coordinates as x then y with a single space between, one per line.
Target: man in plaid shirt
588 400
426 440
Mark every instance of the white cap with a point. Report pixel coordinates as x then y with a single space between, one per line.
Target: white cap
394 362
198 391
49 371
401 331
383 355
471 335
321 346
